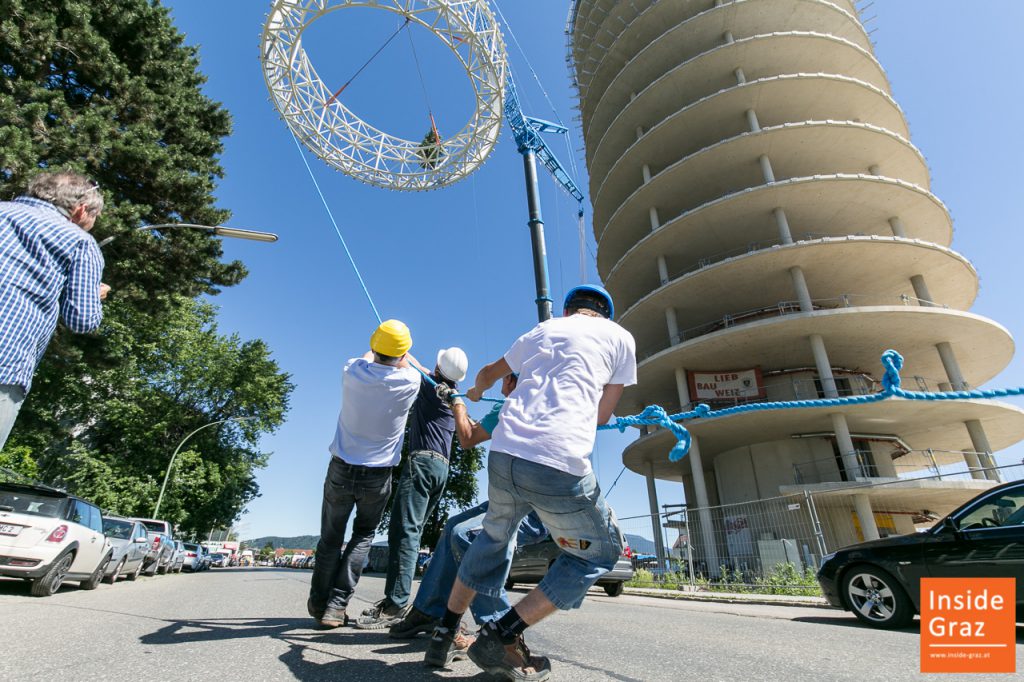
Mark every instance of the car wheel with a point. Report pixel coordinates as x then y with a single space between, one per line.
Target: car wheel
51 582
112 578
876 598
614 589
138 571
153 567
96 576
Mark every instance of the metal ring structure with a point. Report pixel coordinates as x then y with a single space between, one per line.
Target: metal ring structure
346 142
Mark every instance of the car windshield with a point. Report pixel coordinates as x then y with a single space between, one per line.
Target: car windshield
118 529
27 502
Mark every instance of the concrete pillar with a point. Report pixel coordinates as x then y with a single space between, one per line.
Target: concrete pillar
924 296
979 440
655 220
662 270
652 499
682 389
727 37
639 132
874 170
752 122
741 77
785 235
845 443
803 294
897 227
673 325
884 465
647 173
766 168
862 503
824 366
707 532
952 367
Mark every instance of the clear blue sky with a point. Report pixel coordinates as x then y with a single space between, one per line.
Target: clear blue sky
455 264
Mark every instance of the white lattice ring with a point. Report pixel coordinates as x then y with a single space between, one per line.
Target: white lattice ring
346 142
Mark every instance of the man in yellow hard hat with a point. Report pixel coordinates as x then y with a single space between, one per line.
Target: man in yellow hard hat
377 391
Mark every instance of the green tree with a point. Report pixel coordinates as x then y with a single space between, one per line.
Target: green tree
109 89
459 492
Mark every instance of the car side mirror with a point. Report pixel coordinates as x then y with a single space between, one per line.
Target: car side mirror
950 526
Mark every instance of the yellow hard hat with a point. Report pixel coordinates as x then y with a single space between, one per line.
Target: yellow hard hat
391 338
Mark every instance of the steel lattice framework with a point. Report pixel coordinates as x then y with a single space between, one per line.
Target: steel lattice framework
346 142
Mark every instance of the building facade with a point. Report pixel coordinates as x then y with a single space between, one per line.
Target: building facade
766 226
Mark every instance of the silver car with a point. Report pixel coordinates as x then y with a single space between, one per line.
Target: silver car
130 544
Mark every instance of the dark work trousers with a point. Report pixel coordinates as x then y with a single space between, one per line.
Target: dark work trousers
347 486
416 495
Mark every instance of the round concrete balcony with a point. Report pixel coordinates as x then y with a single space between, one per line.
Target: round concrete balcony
921 424
793 98
825 205
760 56
664 48
832 267
856 337
794 149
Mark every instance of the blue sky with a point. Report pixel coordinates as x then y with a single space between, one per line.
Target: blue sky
455 264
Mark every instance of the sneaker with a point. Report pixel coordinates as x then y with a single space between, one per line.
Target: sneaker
509 661
413 624
447 646
333 618
382 616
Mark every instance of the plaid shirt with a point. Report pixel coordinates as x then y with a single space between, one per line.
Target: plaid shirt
48 265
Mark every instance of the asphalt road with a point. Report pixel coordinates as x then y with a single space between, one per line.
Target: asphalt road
250 624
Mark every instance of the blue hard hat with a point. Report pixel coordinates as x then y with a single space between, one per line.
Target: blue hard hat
595 290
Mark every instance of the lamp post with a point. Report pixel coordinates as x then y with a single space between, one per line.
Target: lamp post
218 230
167 475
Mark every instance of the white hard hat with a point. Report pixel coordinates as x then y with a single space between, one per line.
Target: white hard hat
453 363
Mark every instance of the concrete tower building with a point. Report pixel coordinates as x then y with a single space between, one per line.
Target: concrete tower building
766 228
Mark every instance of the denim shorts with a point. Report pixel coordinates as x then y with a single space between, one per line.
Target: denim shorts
575 513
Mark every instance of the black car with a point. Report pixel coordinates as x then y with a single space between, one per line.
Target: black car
531 563
880 581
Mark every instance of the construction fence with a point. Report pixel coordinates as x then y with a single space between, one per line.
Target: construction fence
776 545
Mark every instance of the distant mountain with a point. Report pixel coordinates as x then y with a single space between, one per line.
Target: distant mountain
297 542
639 544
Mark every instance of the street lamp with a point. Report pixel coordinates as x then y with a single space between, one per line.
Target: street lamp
218 230
159 499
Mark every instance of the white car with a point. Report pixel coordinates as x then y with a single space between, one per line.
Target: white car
48 537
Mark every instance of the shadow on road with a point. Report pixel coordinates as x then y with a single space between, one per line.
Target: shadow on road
312 654
851 622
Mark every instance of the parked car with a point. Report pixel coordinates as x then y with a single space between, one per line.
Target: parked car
178 559
193 557
161 550
129 546
218 560
48 537
206 561
880 581
531 563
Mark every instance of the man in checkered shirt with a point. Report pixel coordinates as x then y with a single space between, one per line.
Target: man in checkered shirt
50 266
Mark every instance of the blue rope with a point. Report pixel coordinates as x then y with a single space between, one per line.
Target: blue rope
891 388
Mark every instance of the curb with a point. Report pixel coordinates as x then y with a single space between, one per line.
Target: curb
731 598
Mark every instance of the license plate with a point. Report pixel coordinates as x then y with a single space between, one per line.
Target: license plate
8 529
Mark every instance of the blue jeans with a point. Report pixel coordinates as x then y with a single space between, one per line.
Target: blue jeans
347 487
11 398
573 510
458 535
417 493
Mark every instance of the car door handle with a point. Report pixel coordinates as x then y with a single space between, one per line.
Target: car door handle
93 540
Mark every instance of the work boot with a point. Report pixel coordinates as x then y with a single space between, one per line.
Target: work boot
413 624
383 615
333 618
508 661
447 646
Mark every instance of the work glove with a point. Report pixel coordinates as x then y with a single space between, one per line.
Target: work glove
447 395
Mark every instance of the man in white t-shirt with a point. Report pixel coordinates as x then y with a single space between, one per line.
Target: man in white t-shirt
377 391
572 371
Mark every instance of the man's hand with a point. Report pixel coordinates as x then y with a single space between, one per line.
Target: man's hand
104 290
445 393
475 394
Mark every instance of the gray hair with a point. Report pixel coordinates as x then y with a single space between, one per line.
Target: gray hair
66 190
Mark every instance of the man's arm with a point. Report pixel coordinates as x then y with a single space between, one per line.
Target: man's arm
80 306
609 399
470 433
486 377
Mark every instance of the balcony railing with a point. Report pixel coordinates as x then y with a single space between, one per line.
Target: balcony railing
785 308
910 465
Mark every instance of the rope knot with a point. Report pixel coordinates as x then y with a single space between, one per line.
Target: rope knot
893 363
